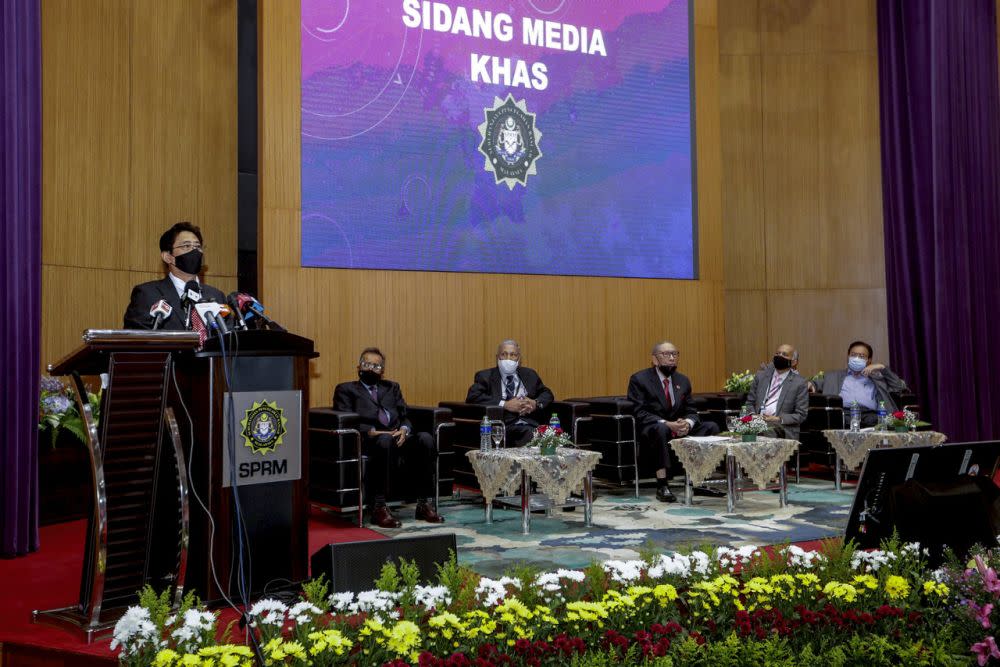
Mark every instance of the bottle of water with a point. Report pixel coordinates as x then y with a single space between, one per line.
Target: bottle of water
554 421
745 410
485 433
855 416
882 416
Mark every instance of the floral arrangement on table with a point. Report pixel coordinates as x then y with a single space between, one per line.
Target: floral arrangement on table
548 438
57 410
781 605
817 379
747 426
903 420
739 383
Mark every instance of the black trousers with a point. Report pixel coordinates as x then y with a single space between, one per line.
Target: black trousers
658 436
417 454
519 434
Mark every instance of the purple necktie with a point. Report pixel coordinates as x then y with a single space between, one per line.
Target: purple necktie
383 415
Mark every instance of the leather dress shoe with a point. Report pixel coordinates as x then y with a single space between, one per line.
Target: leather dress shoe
383 518
709 491
665 495
425 512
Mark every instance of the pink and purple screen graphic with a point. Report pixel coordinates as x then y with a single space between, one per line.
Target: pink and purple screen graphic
401 170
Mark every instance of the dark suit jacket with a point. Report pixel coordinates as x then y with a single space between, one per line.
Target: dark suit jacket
793 399
645 391
885 382
486 390
146 294
354 397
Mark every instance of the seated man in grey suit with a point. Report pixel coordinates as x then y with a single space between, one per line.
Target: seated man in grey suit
515 388
780 395
863 381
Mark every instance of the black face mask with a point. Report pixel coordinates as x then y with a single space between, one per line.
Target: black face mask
667 370
369 377
781 363
189 262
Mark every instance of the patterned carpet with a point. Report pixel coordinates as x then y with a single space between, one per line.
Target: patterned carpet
623 525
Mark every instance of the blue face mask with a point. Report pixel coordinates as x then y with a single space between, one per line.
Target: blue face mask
856 364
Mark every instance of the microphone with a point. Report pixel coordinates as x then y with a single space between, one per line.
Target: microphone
213 314
191 296
159 312
232 301
256 308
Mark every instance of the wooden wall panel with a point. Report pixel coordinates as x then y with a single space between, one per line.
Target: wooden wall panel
138 132
801 147
85 133
585 335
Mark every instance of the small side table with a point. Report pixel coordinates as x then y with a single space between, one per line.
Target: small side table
852 446
557 476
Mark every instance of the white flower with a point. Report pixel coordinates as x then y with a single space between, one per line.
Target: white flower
432 597
135 631
624 571
699 562
374 600
341 601
493 591
799 557
871 561
268 612
673 565
303 612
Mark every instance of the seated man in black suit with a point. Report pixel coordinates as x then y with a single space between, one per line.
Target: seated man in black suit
387 435
515 388
863 381
780 395
182 253
661 397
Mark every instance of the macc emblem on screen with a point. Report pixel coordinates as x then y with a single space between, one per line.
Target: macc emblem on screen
510 141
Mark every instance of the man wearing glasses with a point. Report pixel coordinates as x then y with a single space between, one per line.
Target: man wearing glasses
388 436
515 388
661 398
182 252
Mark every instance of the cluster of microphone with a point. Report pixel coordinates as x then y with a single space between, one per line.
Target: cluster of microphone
241 311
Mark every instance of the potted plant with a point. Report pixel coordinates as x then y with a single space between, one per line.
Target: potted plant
748 427
548 438
903 420
63 460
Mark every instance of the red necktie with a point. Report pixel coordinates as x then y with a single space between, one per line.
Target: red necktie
197 324
666 392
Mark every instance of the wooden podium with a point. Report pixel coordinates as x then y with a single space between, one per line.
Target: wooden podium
179 430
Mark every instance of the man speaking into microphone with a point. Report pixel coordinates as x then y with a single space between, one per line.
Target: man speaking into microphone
182 252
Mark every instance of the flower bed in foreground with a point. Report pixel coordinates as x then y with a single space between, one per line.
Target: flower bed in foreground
837 606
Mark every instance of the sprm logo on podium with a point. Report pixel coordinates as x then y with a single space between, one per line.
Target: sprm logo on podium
265 445
263 427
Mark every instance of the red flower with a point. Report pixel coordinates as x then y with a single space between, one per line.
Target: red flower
746 419
541 430
899 414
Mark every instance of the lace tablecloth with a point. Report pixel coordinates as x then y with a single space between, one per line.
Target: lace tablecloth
853 445
557 476
762 460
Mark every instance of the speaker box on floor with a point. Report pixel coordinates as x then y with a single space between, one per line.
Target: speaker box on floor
354 566
940 496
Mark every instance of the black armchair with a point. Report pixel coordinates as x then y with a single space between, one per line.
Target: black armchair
611 431
336 457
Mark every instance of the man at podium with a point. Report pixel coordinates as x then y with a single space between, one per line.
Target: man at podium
161 304
388 434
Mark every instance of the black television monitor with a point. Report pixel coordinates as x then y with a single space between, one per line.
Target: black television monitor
939 495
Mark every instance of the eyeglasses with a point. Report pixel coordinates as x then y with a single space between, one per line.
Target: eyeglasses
509 355
188 246
674 354
369 366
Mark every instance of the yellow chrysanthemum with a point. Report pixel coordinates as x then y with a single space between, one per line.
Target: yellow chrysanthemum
865 581
896 587
404 637
165 658
665 593
840 591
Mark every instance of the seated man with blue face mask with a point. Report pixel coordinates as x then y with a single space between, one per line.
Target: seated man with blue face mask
863 381
515 388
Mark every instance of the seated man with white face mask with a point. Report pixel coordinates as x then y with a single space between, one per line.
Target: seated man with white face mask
515 388
863 381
